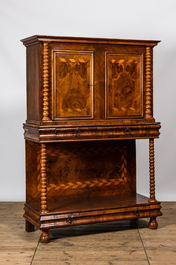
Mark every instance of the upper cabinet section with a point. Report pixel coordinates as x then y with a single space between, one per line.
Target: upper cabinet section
88 81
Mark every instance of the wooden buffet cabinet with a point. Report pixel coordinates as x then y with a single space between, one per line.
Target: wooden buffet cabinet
88 99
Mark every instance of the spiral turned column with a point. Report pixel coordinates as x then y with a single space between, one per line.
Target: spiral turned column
45 83
152 170
149 96
152 223
43 182
45 237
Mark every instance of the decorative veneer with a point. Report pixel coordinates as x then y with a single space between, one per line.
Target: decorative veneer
124 88
88 100
72 84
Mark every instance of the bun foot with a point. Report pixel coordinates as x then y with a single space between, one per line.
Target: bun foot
153 223
45 237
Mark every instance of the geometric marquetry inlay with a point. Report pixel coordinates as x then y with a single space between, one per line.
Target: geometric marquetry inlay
122 178
88 169
72 84
124 85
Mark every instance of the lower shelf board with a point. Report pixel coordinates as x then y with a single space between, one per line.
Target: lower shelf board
91 210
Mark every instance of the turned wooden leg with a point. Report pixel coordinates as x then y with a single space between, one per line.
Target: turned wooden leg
43 179
45 237
152 170
29 227
153 223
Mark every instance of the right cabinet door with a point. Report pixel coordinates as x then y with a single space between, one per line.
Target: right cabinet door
124 85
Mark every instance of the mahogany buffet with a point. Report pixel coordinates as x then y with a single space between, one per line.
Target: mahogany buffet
88 100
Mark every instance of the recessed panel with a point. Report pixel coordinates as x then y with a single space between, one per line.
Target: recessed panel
72 84
89 169
124 85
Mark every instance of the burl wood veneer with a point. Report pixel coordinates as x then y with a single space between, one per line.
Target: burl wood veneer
87 101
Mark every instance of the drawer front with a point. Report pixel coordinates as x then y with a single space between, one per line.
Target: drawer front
119 132
91 133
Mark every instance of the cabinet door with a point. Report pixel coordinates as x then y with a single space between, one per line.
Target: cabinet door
124 86
72 81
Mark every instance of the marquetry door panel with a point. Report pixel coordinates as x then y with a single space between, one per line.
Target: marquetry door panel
124 86
72 81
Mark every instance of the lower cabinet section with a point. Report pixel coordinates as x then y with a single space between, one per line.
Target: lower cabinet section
74 183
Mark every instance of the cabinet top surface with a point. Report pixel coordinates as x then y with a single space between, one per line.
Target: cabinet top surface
44 38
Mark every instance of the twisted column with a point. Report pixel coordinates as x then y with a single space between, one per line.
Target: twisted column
148 104
152 170
45 83
43 182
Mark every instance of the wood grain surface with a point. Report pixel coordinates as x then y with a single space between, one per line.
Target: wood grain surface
88 100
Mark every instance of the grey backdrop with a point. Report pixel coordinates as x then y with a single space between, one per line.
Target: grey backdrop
137 19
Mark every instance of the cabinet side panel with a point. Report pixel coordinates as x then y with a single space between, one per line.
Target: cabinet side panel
32 172
33 83
87 169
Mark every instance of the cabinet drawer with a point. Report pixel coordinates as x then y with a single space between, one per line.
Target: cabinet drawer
99 133
103 132
83 133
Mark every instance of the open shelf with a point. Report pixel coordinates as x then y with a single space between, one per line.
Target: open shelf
91 210
92 204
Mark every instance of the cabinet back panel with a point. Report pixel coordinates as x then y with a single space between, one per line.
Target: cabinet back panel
88 169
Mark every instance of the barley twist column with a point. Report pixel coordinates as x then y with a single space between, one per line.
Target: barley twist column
152 170
153 223
149 96
43 182
45 83
45 237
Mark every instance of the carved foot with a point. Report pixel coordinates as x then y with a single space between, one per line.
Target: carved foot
29 227
153 223
45 237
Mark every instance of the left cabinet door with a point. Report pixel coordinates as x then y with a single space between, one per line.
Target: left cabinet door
72 84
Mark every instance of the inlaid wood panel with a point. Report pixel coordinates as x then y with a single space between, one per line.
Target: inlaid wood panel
81 169
87 169
124 87
72 80
33 190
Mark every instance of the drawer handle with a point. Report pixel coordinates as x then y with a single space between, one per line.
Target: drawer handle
77 132
137 212
70 220
127 131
